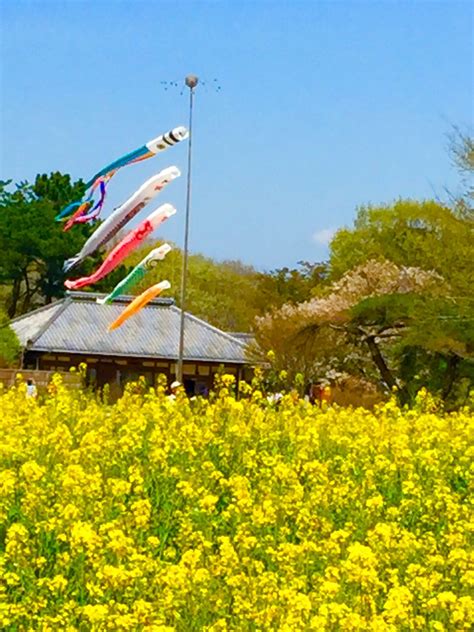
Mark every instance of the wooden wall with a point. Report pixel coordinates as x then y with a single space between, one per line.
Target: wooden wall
9 377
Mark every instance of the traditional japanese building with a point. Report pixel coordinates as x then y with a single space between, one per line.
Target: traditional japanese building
74 330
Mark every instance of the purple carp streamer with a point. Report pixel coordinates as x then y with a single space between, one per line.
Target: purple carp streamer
82 214
89 208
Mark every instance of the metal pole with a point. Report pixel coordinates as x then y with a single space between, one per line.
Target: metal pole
191 81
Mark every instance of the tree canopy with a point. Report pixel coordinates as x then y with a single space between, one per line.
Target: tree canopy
32 245
9 344
399 308
425 234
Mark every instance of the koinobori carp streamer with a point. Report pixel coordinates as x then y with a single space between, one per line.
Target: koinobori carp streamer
138 273
87 208
131 241
139 302
123 214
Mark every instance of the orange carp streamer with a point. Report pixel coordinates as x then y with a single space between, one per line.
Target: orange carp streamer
139 302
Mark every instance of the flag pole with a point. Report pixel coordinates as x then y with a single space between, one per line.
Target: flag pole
191 82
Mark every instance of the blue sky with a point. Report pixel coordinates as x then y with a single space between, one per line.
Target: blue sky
323 106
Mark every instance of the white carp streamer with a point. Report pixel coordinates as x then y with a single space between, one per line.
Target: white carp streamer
123 214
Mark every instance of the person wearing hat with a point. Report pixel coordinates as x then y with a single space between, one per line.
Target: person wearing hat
174 388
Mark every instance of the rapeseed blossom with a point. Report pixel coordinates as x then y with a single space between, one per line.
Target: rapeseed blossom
223 515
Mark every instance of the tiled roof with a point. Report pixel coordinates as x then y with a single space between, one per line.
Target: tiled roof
78 324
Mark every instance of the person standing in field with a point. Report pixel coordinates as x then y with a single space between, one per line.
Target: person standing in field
325 394
31 390
174 388
320 392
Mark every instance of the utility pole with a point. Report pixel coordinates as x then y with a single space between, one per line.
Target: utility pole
191 82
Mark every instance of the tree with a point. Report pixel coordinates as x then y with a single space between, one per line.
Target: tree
461 148
426 235
10 348
431 343
33 246
375 320
290 285
436 349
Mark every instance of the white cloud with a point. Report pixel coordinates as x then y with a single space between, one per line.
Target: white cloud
324 236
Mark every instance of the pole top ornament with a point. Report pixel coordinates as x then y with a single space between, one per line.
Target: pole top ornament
191 81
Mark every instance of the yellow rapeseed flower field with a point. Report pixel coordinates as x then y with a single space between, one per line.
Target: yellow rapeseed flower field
222 515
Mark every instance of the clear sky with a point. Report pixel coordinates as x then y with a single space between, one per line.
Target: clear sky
323 106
